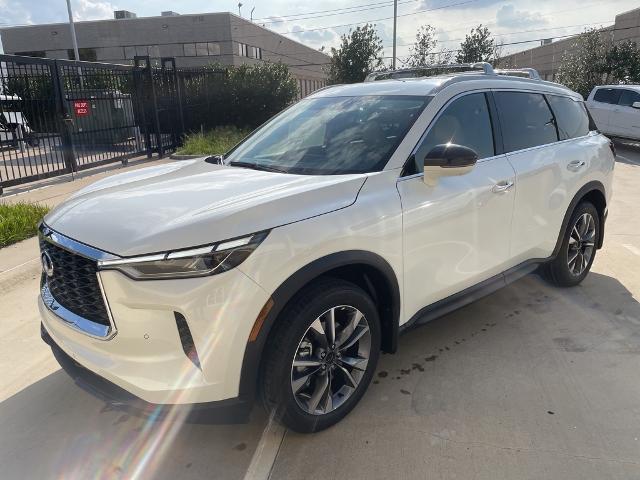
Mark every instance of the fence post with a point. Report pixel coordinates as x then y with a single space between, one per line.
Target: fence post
65 120
154 101
177 101
177 82
141 104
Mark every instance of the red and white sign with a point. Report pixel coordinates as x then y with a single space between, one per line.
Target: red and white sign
81 108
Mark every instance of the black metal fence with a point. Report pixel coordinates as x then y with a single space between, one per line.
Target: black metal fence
62 116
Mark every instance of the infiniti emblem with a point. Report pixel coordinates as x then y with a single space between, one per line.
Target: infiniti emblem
47 264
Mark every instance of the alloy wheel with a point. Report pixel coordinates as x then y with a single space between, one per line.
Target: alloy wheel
331 360
581 244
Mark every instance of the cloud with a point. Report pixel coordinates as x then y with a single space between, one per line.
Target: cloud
508 17
92 10
305 33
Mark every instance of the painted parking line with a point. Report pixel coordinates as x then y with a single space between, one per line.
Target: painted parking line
632 249
266 452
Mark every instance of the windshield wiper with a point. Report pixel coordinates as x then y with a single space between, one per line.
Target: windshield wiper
255 166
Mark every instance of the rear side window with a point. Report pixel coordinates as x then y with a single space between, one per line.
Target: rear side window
526 120
607 95
466 122
571 117
627 97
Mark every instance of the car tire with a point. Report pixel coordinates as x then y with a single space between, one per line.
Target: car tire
578 249
312 378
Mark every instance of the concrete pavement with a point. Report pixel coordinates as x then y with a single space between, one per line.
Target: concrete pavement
530 382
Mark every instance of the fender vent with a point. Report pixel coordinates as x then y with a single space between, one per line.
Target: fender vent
186 339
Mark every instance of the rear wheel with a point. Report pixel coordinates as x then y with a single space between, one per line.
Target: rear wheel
322 355
578 249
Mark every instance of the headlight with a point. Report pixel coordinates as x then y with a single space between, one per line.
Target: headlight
194 262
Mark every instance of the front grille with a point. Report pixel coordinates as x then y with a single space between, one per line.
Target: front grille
74 283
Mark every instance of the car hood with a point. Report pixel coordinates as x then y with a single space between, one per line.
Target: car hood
185 204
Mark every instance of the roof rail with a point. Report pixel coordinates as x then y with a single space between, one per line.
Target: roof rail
531 73
431 71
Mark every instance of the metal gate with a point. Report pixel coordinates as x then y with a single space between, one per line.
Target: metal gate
62 116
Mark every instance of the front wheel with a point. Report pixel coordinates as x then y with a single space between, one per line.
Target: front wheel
578 249
321 356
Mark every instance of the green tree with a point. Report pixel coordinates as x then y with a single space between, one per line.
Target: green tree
359 54
582 66
423 51
478 46
622 63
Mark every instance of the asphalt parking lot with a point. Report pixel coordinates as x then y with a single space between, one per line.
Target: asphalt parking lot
530 382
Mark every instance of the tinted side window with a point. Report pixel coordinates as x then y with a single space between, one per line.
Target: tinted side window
466 122
525 119
607 95
571 117
627 97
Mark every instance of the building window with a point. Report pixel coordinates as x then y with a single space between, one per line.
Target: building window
243 49
189 49
86 54
33 53
214 48
202 50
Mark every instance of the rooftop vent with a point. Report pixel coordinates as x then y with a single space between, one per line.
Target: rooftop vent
120 14
169 13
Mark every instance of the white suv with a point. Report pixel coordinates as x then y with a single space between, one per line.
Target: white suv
284 271
616 110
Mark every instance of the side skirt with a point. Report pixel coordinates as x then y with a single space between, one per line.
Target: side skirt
471 294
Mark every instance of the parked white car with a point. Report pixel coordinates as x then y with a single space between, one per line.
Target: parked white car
616 110
353 215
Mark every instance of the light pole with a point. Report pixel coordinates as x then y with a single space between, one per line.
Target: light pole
74 40
251 18
395 21
72 27
239 6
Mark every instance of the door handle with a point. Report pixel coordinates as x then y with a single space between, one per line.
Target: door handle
502 187
576 165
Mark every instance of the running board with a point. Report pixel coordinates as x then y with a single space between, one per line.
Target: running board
471 294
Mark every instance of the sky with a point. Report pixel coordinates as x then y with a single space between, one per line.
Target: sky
320 23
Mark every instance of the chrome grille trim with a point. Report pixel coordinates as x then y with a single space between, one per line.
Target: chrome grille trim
72 245
69 318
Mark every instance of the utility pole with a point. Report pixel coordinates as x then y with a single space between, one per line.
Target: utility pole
74 40
395 21
73 31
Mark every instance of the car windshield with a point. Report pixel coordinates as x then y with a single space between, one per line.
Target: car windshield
331 136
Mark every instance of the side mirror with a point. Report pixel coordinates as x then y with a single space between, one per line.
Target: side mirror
635 104
448 159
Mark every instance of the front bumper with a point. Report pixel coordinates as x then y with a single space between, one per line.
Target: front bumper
233 409
146 357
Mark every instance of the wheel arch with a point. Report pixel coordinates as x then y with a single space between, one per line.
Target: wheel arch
366 269
593 192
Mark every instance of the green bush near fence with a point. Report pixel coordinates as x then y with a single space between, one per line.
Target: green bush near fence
19 221
214 142
244 96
